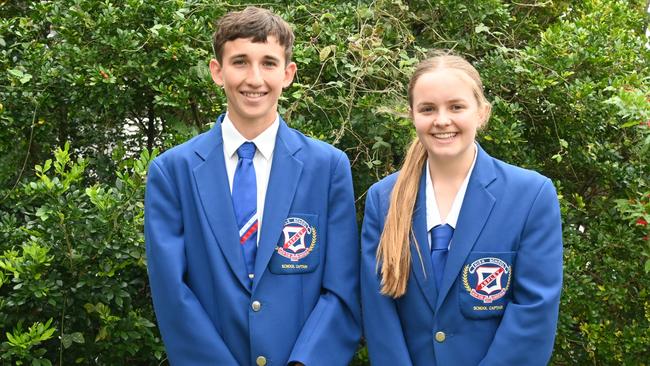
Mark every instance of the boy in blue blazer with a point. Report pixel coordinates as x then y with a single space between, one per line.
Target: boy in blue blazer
461 252
250 227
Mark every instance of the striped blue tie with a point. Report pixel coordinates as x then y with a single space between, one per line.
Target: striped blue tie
440 238
244 201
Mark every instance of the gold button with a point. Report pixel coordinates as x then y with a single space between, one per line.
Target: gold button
261 361
440 336
256 305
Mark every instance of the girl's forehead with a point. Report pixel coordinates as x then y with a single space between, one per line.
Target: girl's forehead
446 76
444 82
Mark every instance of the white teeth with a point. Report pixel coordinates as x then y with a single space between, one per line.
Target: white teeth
445 135
253 95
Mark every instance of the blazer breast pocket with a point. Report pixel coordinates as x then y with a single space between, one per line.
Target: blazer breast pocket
298 248
486 284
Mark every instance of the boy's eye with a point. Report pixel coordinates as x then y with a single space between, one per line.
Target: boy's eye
270 63
238 61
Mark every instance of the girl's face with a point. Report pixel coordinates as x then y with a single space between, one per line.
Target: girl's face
446 115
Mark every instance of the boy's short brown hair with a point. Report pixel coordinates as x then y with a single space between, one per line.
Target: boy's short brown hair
255 23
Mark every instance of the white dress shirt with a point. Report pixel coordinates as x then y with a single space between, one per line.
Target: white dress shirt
265 144
433 214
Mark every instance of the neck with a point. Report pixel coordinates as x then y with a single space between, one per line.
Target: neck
451 170
251 129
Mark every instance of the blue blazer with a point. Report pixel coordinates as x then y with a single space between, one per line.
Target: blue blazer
303 304
499 296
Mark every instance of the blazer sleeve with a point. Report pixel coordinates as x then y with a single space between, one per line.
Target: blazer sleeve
331 333
381 324
189 335
526 333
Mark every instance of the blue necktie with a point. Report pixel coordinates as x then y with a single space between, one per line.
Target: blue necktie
440 237
244 201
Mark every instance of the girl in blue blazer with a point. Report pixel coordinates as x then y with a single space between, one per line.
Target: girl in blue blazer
461 253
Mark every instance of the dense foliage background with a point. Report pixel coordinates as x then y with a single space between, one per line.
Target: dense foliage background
120 80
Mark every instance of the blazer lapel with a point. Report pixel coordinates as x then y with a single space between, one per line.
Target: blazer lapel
476 209
214 192
421 262
283 182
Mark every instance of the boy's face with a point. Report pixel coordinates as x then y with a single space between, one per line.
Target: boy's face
252 76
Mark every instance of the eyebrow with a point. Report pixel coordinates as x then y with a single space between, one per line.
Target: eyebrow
450 101
424 104
245 56
271 58
456 100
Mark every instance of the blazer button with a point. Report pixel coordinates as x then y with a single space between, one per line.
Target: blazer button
256 306
440 336
260 361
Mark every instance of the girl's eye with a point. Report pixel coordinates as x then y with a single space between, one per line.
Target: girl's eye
426 109
457 107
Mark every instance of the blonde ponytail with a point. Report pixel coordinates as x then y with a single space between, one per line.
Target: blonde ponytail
394 252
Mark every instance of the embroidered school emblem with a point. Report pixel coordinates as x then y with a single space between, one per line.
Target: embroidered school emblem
299 239
487 279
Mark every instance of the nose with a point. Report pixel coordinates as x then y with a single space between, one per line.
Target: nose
254 77
442 119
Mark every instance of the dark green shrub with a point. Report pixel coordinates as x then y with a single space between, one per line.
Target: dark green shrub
72 268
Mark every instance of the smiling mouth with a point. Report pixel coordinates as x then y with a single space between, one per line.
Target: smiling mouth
445 135
253 94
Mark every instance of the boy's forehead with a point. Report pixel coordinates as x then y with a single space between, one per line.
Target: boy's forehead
246 47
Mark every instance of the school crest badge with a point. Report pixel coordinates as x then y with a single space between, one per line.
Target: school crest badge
487 279
299 239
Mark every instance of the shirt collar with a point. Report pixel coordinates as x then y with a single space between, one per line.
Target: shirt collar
264 142
433 215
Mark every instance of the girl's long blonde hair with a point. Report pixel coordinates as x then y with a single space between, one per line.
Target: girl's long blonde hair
393 253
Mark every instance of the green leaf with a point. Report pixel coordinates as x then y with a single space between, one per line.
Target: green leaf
78 337
89 307
102 334
328 16
25 79
66 340
326 51
11 338
481 28
630 124
15 72
43 213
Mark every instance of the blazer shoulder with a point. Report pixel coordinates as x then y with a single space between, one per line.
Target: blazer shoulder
313 150
184 150
518 176
314 143
521 186
382 189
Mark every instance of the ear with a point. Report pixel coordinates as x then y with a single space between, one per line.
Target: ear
484 114
289 73
215 72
